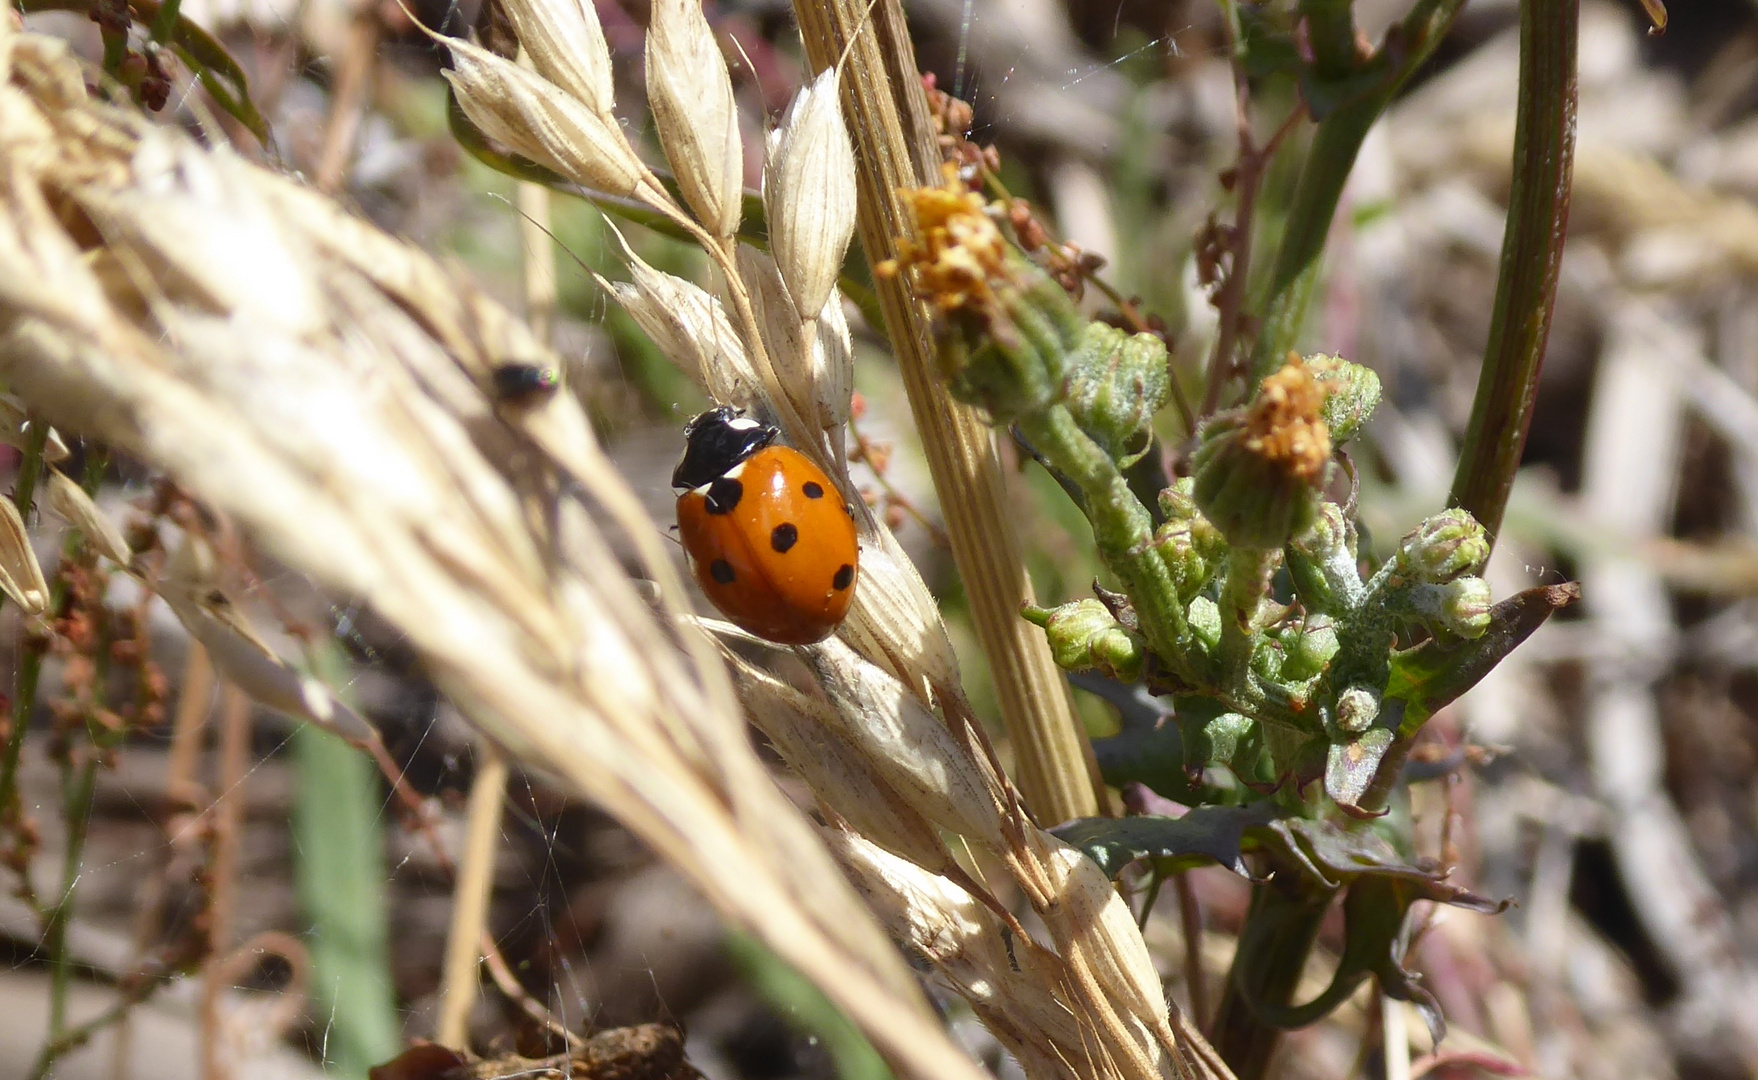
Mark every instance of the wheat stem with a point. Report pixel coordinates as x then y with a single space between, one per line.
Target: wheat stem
888 119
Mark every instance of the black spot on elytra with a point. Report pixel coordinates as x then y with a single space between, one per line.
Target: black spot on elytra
783 536
724 494
721 570
845 576
812 489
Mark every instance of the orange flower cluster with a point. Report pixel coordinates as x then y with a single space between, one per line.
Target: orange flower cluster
958 251
1283 426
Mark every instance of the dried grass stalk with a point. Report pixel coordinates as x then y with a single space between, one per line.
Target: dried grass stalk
330 391
887 110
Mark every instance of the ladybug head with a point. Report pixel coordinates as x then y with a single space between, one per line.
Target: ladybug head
715 442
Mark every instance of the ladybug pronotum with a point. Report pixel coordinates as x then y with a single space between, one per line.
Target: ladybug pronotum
769 537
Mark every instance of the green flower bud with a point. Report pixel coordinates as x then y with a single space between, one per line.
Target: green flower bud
1308 648
1357 708
1268 659
1084 635
1448 545
1205 621
1352 393
1322 564
1258 469
1461 608
1116 385
1010 357
1191 547
1178 502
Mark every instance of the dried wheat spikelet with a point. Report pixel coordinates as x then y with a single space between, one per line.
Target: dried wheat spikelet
691 95
330 389
21 576
15 431
71 504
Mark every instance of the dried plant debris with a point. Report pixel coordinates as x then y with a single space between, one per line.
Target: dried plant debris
641 1052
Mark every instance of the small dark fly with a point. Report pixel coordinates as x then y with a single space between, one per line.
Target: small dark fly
519 383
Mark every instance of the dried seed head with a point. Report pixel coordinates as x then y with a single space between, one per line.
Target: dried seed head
803 730
915 753
190 587
813 358
21 577
1013 983
72 505
809 193
532 116
894 620
1097 931
691 96
15 431
779 324
1258 469
691 328
833 365
566 46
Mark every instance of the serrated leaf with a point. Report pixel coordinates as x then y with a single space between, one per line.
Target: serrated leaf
1431 676
1345 854
1204 835
1152 756
1381 887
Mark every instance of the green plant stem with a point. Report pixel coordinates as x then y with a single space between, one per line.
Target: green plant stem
1247 582
1122 527
80 1034
1532 250
1329 161
165 22
30 468
1279 932
1330 28
115 50
78 784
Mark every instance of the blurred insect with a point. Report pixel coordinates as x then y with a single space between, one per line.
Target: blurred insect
769 538
517 382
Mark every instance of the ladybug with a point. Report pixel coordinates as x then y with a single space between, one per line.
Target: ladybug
769 539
